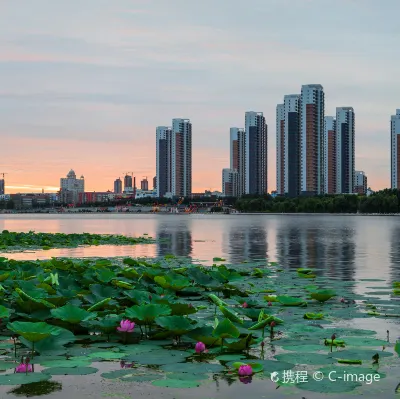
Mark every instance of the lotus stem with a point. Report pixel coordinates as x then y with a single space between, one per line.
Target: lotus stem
33 350
15 347
125 337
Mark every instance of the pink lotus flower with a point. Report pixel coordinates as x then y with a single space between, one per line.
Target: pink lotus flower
200 347
245 305
269 303
342 300
245 370
126 326
24 368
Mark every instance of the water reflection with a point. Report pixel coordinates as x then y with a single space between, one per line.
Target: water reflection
247 242
332 250
37 389
174 239
395 254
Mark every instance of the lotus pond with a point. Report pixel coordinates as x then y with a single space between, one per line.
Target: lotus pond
167 325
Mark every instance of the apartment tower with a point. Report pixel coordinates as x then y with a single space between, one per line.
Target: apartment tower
236 156
395 150
163 160
288 146
181 177
330 155
256 159
345 150
312 105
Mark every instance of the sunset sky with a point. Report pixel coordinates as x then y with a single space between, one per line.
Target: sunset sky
84 83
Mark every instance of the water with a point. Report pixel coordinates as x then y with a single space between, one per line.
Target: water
346 247
351 247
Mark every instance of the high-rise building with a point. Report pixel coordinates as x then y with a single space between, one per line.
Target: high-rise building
230 182
312 139
118 186
395 150
345 150
144 184
127 183
2 186
70 187
256 158
154 182
181 179
236 155
163 160
361 182
288 146
330 155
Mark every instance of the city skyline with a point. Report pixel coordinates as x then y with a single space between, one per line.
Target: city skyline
92 96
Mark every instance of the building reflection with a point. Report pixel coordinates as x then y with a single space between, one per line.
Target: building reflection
329 249
247 243
174 239
395 254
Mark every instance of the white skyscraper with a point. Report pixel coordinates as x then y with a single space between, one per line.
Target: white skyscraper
181 180
312 139
395 150
345 150
163 160
256 157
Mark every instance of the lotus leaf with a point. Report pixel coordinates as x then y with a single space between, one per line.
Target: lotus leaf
33 332
323 295
176 325
4 312
226 329
22 378
181 309
53 342
305 358
71 370
146 314
360 354
72 314
216 300
169 383
173 282
290 301
313 316
229 314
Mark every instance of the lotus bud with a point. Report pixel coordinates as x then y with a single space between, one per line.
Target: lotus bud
200 347
269 303
342 300
245 370
245 305
262 345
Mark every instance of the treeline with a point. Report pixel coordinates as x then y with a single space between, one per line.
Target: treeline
385 201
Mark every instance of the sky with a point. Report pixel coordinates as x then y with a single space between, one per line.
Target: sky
84 83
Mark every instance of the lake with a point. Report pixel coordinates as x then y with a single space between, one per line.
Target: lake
354 248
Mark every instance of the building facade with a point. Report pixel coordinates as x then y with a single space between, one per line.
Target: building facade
255 156
312 139
163 160
118 186
345 150
127 182
2 187
330 155
230 182
70 187
395 150
361 182
288 146
144 185
236 155
181 178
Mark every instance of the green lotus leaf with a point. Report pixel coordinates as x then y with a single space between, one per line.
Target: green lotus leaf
181 309
271 298
99 305
335 342
176 325
290 301
314 316
33 332
263 323
22 378
72 314
25 296
108 324
72 362
323 295
229 314
173 282
146 314
241 344
4 312
216 300
305 358
397 347
360 354
204 334
256 367
71 370
226 329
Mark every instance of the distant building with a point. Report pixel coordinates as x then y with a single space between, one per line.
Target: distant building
230 182
395 150
2 187
360 182
345 150
155 183
95 196
127 182
32 200
144 185
70 187
181 178
330 154
256 149
118 186
146 194
288 146
312 109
